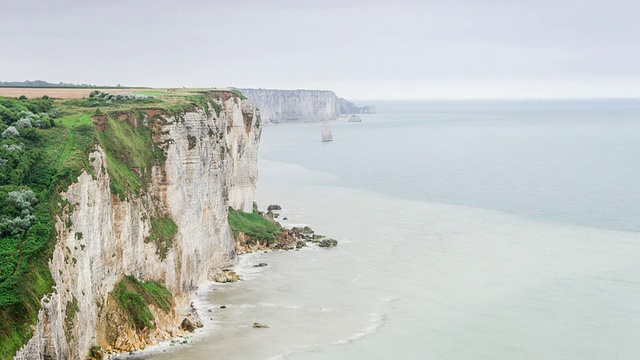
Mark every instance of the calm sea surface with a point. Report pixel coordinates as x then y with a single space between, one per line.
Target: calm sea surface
575 162
468 230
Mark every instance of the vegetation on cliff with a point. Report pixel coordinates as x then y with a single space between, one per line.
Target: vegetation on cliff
27 175
134 297
44 146
163 231
254 226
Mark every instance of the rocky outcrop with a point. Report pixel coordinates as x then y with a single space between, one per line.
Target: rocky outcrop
279 106
211 164
344 107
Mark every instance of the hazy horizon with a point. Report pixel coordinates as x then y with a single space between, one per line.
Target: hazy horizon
366 50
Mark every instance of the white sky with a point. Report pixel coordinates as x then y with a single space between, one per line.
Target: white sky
360 49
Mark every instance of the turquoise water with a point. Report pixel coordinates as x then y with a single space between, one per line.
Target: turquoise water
476 230
575 162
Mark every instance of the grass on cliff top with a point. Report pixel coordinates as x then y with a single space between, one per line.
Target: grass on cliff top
134 297
253 225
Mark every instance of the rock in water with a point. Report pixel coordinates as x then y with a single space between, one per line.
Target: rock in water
355 118
257 325
188 325
261 265
327 243
274 207
223 276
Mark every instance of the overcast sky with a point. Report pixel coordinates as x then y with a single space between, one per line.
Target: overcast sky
359 49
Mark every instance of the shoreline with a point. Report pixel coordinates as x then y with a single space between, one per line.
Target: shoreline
247 267
202 310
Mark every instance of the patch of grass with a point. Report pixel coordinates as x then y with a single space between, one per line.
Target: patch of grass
204 99
135 297
253 225
94 102
238 93
163 232
131 153
71 310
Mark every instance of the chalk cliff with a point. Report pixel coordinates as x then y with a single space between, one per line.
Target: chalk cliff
278 106
211 164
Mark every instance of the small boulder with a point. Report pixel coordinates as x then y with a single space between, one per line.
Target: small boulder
327 243
225 276
188 325
274 207
97 353
355 118
223 307
257 325
261 265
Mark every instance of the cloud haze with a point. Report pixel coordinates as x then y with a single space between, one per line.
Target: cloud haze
360 49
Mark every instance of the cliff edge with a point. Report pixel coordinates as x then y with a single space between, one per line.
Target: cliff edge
145 221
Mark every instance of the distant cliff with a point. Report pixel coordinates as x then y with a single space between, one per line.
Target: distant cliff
278 106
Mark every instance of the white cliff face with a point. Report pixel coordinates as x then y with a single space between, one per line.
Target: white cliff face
243 138
277 106
103 238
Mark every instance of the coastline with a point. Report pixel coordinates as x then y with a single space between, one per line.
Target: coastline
203 310
249 267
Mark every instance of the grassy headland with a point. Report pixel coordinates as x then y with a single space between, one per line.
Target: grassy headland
44 146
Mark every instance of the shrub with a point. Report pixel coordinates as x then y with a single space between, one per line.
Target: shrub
23 123
10 132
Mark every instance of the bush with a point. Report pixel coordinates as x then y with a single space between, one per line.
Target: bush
23 123
10 132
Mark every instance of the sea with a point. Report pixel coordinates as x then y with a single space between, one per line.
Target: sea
466 230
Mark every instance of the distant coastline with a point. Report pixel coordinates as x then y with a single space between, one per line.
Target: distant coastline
45 84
